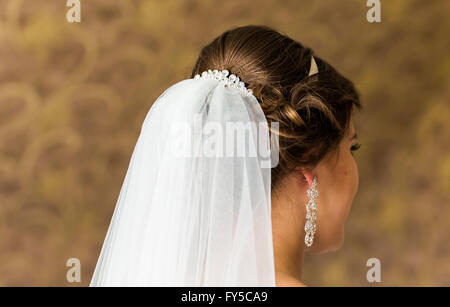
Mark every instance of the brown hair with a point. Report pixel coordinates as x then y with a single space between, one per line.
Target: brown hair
313 112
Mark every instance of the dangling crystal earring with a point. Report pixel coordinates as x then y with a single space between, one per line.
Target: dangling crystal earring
311 213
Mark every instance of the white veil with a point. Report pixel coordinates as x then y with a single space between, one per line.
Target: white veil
185 216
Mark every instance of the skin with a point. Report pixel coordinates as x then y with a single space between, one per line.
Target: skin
337 184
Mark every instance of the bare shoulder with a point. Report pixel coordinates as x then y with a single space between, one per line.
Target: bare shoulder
287 281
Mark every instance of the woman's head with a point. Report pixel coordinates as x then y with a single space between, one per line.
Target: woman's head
314 114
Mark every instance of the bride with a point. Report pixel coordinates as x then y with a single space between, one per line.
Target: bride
202 207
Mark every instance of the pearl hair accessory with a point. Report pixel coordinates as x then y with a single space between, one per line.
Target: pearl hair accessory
229 81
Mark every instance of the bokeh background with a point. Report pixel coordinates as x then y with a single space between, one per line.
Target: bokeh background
73 97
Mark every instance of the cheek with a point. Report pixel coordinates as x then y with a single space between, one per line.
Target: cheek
339 186
350 187
347 184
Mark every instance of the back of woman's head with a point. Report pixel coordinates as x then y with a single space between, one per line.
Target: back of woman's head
313 112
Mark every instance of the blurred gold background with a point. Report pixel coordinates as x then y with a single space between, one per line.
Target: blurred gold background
73 97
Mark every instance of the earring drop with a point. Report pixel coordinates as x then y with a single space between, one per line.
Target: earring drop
311 213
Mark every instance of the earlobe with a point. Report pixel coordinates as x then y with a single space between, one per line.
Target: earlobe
308 177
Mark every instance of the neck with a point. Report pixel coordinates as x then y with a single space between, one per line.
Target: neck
288 262
288 239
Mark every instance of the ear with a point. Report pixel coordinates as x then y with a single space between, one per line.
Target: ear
309 176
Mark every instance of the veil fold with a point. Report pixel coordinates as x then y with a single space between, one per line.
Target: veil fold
192 212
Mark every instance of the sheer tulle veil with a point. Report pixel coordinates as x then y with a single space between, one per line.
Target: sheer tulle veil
195 208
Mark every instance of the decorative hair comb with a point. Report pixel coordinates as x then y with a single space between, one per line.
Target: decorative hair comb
231 81
313 69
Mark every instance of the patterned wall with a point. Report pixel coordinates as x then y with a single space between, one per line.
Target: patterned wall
73 97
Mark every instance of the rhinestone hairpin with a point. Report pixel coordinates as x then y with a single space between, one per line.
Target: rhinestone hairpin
230 81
